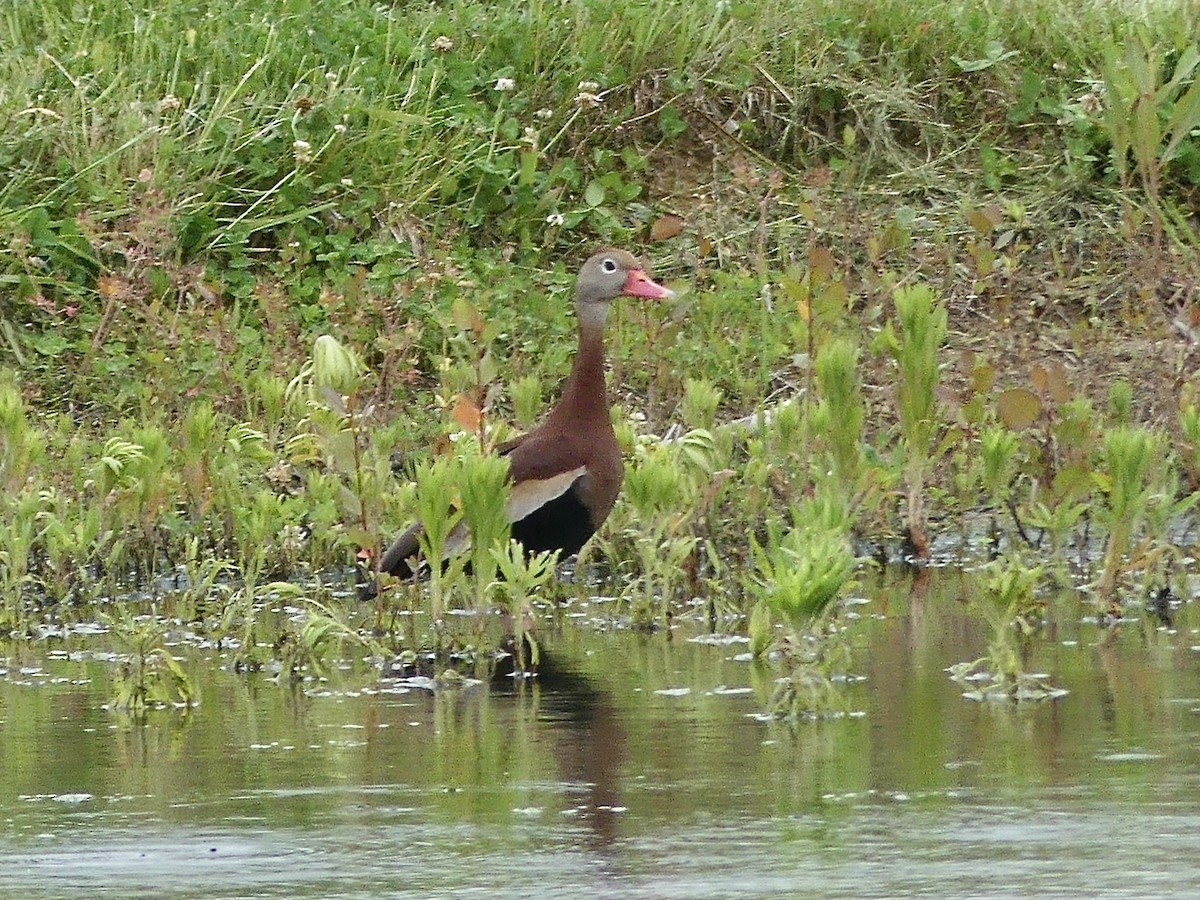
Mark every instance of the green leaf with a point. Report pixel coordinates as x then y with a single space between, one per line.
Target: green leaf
670 122
1185 118
593 196
995 54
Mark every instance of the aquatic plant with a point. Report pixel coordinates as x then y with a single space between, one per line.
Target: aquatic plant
20 445
838 418
483 490
1189 425
798 573
1126 469
18 528
663 490
74 540
521 576
304 647
199 579
921 323
149 676
1008 604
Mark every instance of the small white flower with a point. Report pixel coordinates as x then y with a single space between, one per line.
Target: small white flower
169 102
340 128
555 219
529 136
505 84
347 182
301 146
544 113
590 87
331 77
585 98
442 44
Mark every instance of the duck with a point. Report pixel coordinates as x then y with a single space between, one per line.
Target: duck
565 474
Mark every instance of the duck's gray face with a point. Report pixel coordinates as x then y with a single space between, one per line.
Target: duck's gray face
610 273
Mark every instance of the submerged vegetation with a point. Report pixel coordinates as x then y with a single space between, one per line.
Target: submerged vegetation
273 282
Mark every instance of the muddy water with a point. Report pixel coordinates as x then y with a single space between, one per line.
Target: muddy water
636 767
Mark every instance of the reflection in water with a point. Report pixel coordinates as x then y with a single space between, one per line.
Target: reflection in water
633 766
589 745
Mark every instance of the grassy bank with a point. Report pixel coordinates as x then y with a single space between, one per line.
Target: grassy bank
191 193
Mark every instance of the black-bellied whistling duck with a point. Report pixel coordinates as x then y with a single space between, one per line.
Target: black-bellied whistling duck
566 473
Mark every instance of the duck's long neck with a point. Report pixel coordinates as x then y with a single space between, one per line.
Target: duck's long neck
585 396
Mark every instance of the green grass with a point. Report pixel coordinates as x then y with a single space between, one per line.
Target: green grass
190 194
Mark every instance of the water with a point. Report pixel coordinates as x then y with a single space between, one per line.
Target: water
637 767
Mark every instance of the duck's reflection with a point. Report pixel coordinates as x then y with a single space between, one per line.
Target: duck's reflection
590 742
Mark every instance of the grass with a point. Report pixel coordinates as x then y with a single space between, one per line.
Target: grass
190 199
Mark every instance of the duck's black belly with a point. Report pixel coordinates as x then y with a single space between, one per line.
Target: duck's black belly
562 524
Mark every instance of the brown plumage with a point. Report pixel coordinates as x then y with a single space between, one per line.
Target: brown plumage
566 473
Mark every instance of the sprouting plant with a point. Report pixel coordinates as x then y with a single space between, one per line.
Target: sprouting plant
797 575
701 398
526 394
338 410
998 446
18 529
441 533
1127 478
838 418
198 577
662 489
483 493
521 576
1120 402
149 675
1147 117
201 441
20 445
921 321
1189 425
305 649
1008 604
138 485
73 536
240 621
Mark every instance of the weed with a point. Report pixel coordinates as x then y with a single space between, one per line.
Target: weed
838 418
1008 604
798 574
1127 472
1148 116
520 577
149 677
662 490
1189 425
442 530
921 321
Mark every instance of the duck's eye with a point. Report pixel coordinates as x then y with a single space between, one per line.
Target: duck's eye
608 265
